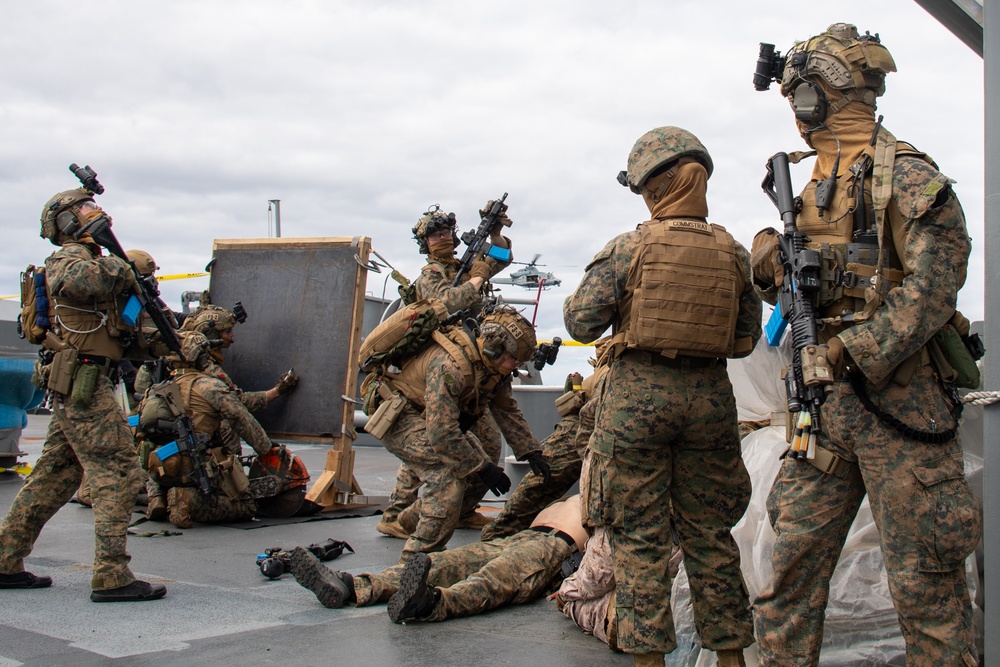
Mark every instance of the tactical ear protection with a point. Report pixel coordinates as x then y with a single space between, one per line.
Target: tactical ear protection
809 103
67 223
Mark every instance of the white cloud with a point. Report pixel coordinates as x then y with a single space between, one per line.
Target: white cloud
358 115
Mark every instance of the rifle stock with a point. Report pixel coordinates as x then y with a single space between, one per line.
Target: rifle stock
477 242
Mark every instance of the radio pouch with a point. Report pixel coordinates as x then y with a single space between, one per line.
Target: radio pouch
386 415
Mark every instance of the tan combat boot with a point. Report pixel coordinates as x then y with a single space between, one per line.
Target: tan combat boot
179 504
156 508
648 659
730 658
474 521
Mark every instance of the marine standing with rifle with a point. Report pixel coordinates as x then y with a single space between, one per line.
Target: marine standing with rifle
890 236
665 452
87 292
459 284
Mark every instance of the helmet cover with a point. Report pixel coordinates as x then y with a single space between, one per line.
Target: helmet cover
506 330
433 220
662 146
841 59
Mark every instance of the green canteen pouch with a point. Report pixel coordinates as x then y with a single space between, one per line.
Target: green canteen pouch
84 384
958 357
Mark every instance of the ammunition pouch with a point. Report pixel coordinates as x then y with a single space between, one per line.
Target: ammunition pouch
569 403
232 478
61 371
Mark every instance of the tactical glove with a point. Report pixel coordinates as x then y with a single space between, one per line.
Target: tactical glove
485 211
539 465
495 478
767 270
482 269
836 356
287 382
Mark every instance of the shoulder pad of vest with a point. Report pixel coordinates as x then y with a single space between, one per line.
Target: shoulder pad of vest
903 148
916 185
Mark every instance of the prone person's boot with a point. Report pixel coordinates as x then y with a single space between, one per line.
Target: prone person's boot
648 659
179 506
730 658
332 588
414 600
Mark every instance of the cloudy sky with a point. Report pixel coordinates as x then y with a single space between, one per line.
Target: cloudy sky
359 115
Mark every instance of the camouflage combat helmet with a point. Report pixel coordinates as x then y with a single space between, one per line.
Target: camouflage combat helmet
660 147
194 347
506 330
434 219
143 261
67 200
210 320
844 61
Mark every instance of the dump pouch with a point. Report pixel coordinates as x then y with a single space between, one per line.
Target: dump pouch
386 415
951 350
61 371
84 384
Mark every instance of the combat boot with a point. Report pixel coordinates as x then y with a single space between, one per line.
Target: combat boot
179 506
474 521
414 600
137 591
24 580
730 658
648 659
333 589
392 529
156 508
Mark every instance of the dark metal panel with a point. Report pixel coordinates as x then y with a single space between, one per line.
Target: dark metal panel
304 299
964 18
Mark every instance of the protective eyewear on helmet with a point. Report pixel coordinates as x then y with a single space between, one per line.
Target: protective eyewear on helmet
623 180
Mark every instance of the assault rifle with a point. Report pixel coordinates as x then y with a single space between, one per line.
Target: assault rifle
478 242
276 561
194 444
806 380
147 293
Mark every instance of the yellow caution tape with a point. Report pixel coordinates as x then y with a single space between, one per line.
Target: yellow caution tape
182 276
172 276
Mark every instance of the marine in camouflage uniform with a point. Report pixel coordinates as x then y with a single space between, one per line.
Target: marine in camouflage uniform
564 455
437 237
665 449
86 291
927 518
216 324
445 388
466 581
211 403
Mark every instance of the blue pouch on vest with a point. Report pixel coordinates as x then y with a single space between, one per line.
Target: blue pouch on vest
500 254
166 451
775 326
130 314
133 421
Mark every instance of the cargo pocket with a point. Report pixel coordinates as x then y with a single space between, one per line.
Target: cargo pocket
948 520
597 489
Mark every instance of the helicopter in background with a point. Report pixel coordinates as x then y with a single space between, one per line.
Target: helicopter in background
530 277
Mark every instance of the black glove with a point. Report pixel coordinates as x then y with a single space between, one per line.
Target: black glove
539 465
495 478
